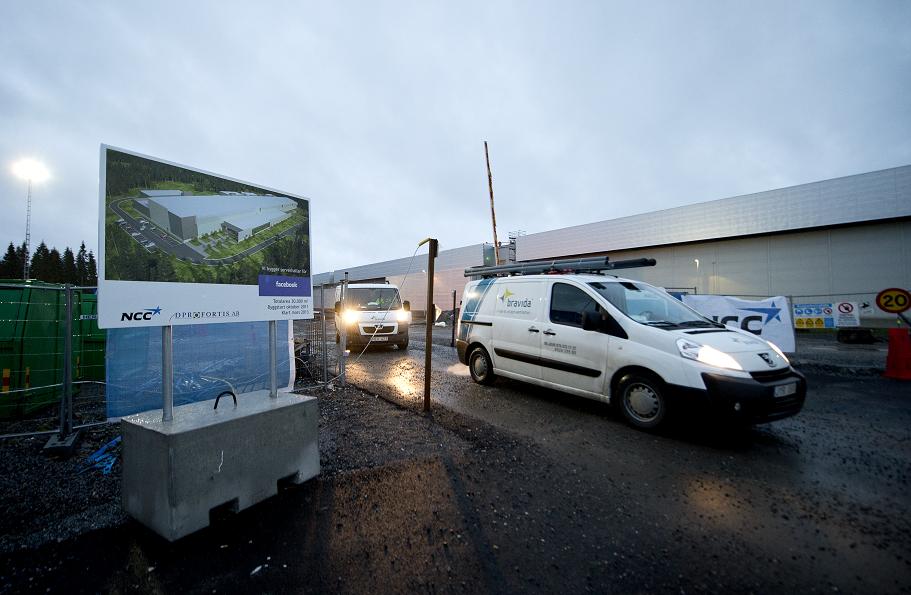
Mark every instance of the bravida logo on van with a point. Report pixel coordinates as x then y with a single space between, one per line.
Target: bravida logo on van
509 302
145 314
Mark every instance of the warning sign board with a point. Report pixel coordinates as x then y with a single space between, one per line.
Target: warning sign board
893 300
847 314
814 316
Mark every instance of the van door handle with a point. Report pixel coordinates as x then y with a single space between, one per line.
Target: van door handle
549 332
532 329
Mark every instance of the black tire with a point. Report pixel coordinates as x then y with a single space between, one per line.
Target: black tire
480 367
403 344
641 399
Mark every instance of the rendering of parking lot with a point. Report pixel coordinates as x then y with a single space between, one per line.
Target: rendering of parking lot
167 223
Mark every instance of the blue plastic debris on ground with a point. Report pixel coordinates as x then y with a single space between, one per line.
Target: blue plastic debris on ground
208 359
102 459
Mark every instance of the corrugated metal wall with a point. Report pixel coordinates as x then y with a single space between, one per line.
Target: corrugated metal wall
871 196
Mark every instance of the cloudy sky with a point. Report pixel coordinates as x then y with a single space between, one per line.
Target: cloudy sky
378 111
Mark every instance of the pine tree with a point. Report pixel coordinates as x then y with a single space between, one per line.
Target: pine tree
68 273
11 265
54 267
39 267
91 270
82 266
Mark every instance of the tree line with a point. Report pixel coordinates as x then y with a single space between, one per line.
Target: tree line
50 265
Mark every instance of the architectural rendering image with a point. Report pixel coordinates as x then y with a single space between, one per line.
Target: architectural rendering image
164 222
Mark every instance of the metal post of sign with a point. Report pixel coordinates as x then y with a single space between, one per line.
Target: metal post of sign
66 403
167 374
428 335
342 333
452 341
273 377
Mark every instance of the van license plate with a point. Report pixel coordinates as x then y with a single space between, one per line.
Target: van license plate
786 389
387 338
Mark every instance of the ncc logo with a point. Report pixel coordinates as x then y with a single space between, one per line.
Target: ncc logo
146 314
763 317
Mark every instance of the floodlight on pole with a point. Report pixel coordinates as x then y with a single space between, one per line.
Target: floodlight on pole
31 171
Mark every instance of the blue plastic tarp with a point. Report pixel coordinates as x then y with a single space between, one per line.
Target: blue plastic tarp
207 359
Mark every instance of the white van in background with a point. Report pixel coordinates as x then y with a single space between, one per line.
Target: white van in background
620 341
373 313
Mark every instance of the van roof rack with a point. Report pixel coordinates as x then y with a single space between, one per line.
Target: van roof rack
567 265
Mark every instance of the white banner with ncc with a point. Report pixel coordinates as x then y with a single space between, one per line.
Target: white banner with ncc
769 318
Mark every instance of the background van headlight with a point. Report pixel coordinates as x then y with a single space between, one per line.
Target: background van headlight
401 315
706 355
349 317
779 352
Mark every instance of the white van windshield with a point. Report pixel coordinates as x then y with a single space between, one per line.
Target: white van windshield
651 306
373 298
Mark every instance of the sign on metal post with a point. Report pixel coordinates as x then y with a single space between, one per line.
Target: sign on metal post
893 300
180 246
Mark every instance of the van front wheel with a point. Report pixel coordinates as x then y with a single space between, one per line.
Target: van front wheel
480 366
642 401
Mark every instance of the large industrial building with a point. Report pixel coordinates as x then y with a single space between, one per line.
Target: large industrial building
843 239
238 215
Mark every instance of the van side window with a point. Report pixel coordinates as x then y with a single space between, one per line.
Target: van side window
567 303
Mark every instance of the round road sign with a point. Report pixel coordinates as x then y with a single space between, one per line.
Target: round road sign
846 307
893 300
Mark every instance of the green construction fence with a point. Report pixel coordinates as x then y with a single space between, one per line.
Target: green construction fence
32 339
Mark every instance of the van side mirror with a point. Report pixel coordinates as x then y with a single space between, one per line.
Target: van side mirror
406 306
591 321
338 307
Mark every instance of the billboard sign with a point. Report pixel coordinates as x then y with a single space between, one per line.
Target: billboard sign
179 245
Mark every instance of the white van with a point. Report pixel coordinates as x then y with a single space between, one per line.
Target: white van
373 313
621 341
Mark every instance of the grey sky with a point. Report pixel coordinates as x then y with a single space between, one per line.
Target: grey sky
377 110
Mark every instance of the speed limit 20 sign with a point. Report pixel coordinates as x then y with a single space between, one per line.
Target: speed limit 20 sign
893 300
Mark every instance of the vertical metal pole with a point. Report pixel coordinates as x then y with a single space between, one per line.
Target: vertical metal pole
322 301
66 402
273 377
493 215
454 318
342 334
167 374
28 230
428 335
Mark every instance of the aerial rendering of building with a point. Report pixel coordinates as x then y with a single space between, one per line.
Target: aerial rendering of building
239 215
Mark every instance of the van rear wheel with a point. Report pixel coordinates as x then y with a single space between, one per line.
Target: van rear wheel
480 366
642 401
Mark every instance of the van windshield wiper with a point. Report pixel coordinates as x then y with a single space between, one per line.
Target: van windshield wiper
700 323
661 323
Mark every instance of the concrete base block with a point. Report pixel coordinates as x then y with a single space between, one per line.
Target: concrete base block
174 473
62 447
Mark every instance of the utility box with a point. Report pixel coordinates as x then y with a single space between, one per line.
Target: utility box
175 473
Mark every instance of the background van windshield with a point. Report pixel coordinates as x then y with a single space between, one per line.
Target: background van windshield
379 298
648 305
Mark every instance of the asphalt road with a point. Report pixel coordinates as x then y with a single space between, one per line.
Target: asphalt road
513 489
822 496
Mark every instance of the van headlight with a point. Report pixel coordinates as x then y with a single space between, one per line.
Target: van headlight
779 352
401 315
706 355
349 317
